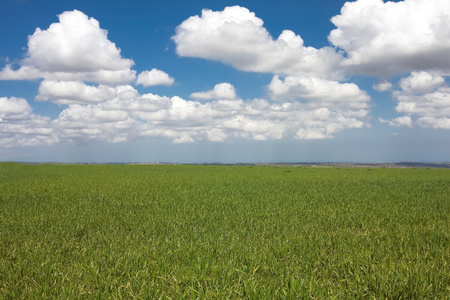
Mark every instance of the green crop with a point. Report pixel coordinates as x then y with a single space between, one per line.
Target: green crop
223 232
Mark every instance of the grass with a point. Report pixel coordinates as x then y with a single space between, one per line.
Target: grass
223 232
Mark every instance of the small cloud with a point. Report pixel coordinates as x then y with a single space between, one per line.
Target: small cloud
316 89
404 121
14 108
20 127
382 86
425 95
70 92
154 77
223 91
433 122
421 82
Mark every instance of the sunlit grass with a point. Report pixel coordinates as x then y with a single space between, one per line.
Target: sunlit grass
223 232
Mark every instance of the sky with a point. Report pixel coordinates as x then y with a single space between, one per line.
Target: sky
224 81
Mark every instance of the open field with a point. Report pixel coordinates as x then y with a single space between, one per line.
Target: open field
223 232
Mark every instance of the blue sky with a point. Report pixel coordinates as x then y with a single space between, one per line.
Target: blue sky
224 81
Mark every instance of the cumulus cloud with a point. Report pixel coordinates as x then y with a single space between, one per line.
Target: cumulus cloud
14 108
75 44
74 49
436 123
434 105
70 92
237 37
154 77
20 127
317 90
223 91
393 38
396 38
421 82
424 96
83 123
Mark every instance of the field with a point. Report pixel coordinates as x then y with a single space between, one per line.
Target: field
223 232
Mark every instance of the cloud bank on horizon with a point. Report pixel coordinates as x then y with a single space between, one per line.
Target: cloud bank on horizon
310 95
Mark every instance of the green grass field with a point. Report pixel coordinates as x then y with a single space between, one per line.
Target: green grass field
223 232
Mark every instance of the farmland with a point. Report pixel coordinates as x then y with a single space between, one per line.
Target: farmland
223 232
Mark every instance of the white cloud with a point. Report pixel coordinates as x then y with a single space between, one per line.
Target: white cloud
24 73
70 92
92 114
130 100
223 91
83 123
433 104
404 121
14 108
425 96
396 38
105 77
237 37
383 86
391 38
20 127
126 92
317 90
436 123
154 77
255 128
253 119
75 44
74 49
421 82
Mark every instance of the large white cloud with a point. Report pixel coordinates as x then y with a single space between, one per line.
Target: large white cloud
393 38
398 38
74 49
75 44
237 37
223 91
